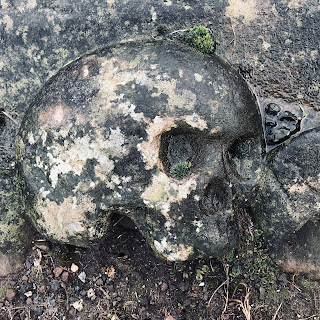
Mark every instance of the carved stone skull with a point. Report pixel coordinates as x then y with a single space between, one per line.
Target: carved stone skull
155 131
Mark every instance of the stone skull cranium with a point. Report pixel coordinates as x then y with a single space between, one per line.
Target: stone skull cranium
152 130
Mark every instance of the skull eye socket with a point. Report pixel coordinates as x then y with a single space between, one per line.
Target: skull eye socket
179 152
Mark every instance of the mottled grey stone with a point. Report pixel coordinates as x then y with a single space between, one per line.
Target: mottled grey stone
288 197
15 232
274 44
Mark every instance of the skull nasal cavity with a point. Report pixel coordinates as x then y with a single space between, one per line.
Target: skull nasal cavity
180 152
216 197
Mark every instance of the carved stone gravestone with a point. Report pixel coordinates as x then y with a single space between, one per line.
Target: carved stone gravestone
158 132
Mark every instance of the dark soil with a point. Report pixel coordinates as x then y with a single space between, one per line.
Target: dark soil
123 279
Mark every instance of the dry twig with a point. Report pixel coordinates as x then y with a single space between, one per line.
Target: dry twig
215 291
8 115
226 270
245 304
275 315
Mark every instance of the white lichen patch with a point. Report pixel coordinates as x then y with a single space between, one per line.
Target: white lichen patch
242 8
4 4
53 117
31 139
66 219
298 188
173 252
129 109
72 157
198 224
198 77
314 182
150 149
265 45
31 4
196 121
296 4
110 76
8 22
181 98
164 190
215 130
85 72
153 14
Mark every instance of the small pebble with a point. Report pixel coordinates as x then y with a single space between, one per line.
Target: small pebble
83 293
99 282
72 312
82 276
52 303
28 264
10 295
26 287
78 305
28 293
25 279
144 301
169 318
90 293
164 287
65 276
110 287
29 301
74 267
55 286
12 283
39 311
42 289
57 271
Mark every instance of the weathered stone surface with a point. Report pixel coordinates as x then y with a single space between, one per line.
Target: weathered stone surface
302 252
274 44
15 233
288 198
144 129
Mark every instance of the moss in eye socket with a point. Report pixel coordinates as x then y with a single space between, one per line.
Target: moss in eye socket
180 170
240 149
